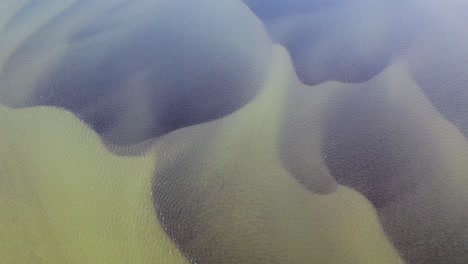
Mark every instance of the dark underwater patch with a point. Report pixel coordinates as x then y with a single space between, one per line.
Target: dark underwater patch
377 146
136 73
347 41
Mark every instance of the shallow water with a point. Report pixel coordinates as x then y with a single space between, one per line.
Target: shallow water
209 131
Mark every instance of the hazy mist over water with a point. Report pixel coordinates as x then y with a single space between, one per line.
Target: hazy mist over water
229 131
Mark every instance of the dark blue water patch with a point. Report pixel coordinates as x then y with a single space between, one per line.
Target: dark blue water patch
371 146
273 9
347 41
138 72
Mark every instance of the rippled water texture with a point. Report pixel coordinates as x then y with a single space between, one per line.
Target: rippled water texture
229 131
